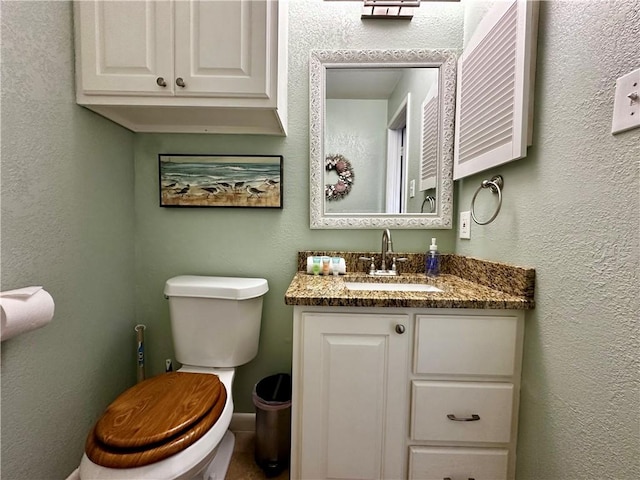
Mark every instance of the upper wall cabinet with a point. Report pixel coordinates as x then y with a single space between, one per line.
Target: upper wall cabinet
494 100
184 66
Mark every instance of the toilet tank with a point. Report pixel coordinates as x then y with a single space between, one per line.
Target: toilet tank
215 321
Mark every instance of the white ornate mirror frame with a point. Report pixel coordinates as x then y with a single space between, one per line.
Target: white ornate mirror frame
320 60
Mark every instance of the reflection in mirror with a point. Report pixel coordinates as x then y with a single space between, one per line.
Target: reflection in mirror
381 138
374 114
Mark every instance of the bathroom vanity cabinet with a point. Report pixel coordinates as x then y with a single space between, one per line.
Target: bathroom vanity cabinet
184 66
405 392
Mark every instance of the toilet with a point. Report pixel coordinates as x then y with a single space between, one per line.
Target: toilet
175 425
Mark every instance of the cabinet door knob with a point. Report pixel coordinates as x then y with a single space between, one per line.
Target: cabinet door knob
472 418
160 81
400 328
180 82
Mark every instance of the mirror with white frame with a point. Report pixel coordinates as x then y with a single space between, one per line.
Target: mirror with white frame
381 138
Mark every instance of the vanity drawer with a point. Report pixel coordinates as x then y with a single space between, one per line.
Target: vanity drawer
466 345
436 463
461 411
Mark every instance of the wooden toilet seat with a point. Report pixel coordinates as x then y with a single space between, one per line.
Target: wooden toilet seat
155 419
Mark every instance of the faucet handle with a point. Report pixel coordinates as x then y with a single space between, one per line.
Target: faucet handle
372 267
394 268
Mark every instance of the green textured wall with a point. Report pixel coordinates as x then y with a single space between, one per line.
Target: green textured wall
68 225
264 243
571 211
71 220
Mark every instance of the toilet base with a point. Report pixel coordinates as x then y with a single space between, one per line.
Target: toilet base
216 470
218 467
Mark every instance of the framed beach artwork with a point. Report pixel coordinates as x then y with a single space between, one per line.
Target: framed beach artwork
220 180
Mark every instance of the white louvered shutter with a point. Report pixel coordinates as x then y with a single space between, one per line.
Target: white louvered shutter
429 147
495 89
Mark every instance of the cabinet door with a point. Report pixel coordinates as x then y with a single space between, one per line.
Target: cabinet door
494 104
222 47
353 396
125 47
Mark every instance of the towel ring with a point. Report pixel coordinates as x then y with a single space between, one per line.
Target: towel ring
495 184
432 204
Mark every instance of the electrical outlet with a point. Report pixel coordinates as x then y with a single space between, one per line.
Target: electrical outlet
465 225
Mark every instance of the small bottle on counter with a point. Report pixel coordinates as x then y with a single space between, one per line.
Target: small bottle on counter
316 265
326 265
432 260
335 266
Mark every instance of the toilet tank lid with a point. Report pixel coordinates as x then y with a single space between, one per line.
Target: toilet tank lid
227 288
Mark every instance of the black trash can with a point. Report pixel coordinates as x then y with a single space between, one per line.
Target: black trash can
272 399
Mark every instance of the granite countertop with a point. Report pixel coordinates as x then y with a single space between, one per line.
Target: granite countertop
465 283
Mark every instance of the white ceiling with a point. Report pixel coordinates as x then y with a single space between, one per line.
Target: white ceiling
362 83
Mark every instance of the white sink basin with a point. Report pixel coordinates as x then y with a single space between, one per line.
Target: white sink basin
392 287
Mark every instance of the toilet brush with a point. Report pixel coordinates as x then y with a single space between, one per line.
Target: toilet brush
139 329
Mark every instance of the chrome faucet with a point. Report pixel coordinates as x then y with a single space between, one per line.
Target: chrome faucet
387 247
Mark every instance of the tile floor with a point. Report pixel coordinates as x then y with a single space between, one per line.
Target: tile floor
243 465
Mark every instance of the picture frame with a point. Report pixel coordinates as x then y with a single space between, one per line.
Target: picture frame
237 181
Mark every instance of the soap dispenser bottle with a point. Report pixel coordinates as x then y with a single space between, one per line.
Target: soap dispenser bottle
432 260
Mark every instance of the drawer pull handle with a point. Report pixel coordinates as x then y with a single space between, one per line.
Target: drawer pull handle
472 418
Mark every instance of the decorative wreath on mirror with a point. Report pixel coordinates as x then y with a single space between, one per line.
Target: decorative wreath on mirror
343 168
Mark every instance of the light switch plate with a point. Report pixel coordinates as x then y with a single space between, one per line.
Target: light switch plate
465 225
626 103
412 188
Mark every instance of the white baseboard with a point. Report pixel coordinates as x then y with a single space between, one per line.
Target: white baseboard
243 422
